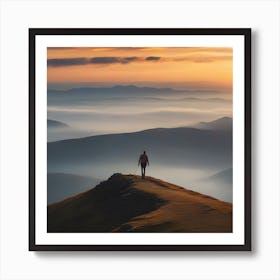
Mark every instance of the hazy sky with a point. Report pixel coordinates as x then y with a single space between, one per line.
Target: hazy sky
203 75
187 68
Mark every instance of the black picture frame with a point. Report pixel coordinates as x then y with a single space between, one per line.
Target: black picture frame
246 32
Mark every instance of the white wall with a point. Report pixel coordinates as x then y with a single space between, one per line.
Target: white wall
17 262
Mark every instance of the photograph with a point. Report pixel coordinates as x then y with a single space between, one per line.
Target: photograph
133 146
140 136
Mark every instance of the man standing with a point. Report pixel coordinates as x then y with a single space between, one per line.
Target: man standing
143 160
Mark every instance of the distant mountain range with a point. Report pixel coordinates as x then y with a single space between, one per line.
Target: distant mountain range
224 123
84 95
182 146
56 124
117 88
223 177
127 203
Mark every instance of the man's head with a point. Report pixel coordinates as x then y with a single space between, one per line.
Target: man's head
144 152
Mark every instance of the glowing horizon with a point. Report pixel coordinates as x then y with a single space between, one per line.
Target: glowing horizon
196 68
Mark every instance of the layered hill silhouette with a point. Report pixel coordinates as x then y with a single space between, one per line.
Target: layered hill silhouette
123 89
177 146
56 124
224 176
127 203
224 123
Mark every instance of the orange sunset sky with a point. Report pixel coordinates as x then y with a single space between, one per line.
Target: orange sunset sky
189 68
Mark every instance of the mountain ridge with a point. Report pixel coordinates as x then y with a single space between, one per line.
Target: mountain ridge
224 123
190 146
117 88
199 126
127 203
56 124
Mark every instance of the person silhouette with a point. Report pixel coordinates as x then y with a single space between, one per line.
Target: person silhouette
143 160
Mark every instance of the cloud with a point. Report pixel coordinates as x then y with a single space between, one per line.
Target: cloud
153 58
131 58
108 60
203 58
113 59
57 62
60 62
104 60
208 59
210 50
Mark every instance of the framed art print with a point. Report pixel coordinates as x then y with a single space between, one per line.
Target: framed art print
140 139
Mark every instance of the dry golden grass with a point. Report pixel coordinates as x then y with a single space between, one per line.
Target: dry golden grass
128 203
184 210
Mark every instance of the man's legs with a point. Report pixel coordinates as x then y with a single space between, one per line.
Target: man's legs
143 169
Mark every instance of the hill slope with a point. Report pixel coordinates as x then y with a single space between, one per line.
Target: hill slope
55 124
224 123
178 146
126 203
61 185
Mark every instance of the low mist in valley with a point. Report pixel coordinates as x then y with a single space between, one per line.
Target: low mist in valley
94 133
94 112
